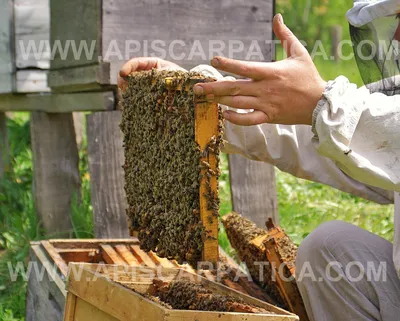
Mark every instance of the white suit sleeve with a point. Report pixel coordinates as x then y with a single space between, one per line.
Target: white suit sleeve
291 149
360 131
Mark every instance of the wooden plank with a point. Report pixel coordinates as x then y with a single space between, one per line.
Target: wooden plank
86 311
253 189
58 103
85 78
206 116
6 47
80 255
56 178
179 315
31 81
70 306
110 256
84 26
7 83
142 256
95 288
120 305
126 254
58 260
4 145
228 20
165 263
89 243
32 30
45 292
106 157
120 29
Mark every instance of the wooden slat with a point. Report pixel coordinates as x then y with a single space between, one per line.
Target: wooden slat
31 81
87 311
288 289
6 51
127 255
206 116
70 305
80 255
58 103
55 170
234 20
165 263
89 243
60 263
111 256
84 24
178 315
123 304
32 26
114 299
142 256
114 25
253 189
45 290
106 157
85 78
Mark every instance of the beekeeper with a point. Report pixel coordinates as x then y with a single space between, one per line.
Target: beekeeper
328 132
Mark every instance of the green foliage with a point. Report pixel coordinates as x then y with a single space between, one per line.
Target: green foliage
304 205
7 315
312 20
18 221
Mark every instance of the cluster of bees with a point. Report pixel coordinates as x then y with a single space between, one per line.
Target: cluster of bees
241 232
162 164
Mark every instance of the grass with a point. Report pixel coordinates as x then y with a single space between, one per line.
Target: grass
303 205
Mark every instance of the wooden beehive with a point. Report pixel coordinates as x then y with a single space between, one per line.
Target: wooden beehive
130 27
46 297
118 293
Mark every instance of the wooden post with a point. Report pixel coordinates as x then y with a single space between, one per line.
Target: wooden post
253 190
106 157
4 147
55 169
7 65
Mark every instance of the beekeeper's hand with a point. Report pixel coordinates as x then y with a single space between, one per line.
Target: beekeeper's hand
284 92
141 64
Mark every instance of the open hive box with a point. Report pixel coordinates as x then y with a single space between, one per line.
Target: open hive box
46 295
124 293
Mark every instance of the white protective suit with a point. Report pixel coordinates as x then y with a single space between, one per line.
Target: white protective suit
354 146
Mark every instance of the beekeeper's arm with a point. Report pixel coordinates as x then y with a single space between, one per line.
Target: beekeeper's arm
360 131
346 122
290 148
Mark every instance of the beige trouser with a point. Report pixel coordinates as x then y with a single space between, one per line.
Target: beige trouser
347 273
